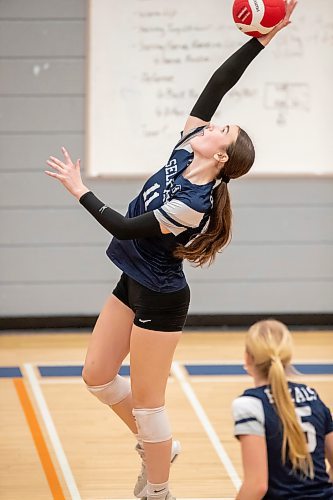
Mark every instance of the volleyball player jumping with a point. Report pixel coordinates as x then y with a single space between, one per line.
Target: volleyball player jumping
182 212
284 428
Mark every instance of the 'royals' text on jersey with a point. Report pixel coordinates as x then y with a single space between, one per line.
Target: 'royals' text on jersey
182 207
254 414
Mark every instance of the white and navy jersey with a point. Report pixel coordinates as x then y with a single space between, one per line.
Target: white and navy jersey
182 207
254 414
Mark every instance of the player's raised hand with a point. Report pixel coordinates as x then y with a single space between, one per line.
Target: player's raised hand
290 7
68 173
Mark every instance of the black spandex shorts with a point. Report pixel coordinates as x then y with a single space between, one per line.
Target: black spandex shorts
164 312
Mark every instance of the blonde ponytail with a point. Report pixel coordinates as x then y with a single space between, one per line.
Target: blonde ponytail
269 343
293 436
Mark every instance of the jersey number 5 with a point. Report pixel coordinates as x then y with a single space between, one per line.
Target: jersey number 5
309 429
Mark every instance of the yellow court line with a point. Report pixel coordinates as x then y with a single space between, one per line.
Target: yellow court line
39 441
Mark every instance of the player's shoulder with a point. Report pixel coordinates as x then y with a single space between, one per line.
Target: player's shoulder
256 392
196 196
248 404
256 399
248 415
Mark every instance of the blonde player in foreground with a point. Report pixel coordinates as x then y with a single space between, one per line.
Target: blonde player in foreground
284 429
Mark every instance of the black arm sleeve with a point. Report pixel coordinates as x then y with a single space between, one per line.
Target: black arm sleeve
224 78
143 226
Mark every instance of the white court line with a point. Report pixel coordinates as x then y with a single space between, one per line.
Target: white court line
53 435
226 379
191 396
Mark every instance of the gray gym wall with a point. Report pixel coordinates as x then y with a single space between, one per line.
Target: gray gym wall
52 252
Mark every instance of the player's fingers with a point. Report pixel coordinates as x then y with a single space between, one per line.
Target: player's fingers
68 159
287 6
53 174
290 8
293 5
57 162
54 165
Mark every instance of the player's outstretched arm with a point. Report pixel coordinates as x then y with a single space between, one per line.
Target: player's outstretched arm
123 228
228 74
68 173
222 80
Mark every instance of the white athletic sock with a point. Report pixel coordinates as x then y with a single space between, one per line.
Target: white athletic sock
157 491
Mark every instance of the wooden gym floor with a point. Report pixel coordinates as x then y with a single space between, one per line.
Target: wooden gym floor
58 442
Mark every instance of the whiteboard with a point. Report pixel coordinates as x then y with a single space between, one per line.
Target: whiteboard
148 61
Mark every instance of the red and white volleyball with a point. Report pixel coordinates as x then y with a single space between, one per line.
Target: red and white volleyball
258 17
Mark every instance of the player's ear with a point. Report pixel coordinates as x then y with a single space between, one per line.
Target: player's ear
248 362
221 157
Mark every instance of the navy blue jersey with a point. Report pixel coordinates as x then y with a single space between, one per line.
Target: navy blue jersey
182 207
254 414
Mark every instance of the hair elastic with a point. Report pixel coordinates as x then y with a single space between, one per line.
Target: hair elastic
225 178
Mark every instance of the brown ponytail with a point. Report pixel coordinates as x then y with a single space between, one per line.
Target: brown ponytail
204 247
269 343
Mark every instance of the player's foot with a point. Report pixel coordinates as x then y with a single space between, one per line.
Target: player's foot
140 488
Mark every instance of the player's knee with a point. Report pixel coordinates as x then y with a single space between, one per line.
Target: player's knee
111 393
94 374
153 424
91 376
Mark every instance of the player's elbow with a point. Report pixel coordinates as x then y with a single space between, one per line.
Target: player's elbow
262 489
122 229
255 489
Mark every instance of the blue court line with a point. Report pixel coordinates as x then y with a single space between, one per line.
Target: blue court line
70 371
304 369
204 369
315 369
10 372
215 370
76 370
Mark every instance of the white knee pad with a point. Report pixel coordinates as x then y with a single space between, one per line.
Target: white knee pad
153 424
113 392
